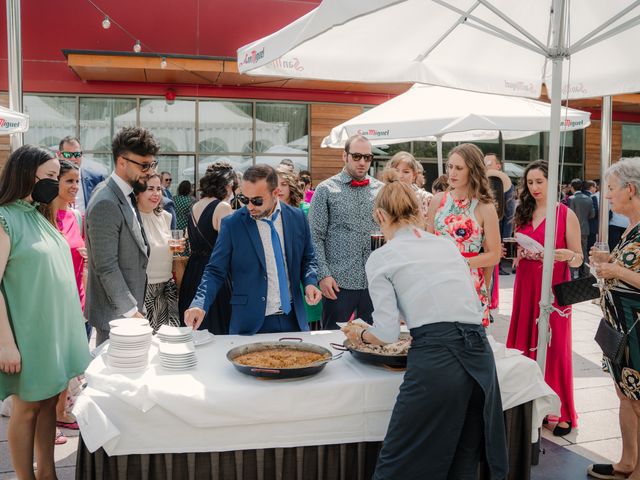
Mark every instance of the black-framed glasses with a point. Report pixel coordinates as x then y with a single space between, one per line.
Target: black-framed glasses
257 201
145 167
68 155
368 157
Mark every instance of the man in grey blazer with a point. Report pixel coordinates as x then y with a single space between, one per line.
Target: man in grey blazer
116 242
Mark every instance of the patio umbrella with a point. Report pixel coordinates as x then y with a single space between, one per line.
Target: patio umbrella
13 122
494 46
445 114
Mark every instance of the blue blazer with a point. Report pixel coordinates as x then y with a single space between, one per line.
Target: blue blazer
238 251
91 175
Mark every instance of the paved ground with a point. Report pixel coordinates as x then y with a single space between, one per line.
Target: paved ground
597 439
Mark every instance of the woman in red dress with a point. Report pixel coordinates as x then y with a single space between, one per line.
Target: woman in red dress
523 331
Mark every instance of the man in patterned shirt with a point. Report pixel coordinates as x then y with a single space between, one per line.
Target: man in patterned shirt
341 221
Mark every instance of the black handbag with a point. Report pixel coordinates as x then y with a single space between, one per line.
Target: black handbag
576 291
611 341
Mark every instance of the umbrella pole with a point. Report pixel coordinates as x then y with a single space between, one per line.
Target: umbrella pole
546 296
440 160
605 162
14 54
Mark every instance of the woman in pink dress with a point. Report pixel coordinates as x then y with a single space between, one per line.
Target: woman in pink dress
467 215
523 331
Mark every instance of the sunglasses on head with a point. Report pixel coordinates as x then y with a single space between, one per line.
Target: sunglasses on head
257 201
71 154
358 156
145 167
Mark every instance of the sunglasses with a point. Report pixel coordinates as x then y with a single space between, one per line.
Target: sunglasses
257 201
145 167
358 156
71 154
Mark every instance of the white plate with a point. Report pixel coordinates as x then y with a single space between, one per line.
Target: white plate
202 337
177 348
125 322
127 331
178 368
169 331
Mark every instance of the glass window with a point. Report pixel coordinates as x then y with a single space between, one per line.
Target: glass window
173 125
630 140
282 131
239 163
524 149
225 127
101 118
181 167
103 159
50 119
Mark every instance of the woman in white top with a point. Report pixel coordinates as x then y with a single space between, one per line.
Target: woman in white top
161 298
448 410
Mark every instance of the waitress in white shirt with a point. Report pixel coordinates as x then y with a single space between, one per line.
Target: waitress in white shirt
448 411
161 296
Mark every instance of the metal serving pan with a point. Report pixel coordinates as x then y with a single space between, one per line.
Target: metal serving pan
393 361
278 373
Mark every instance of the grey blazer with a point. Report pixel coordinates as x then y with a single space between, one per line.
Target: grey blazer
117 276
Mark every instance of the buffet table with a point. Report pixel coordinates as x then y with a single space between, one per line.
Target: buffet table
216 421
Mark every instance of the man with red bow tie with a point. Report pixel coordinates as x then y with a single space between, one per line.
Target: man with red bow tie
341 221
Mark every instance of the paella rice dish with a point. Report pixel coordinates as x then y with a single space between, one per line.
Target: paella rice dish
279 358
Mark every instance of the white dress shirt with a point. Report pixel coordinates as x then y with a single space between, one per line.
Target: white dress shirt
423 278
80 203
273 287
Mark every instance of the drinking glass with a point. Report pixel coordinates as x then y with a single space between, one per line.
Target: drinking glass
176 242
600 254
377 240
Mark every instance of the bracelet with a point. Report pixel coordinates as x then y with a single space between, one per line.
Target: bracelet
362 336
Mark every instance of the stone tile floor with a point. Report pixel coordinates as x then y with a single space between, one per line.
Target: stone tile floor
597 439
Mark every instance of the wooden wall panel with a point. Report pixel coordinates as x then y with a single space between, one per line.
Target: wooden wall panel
326 162
592 148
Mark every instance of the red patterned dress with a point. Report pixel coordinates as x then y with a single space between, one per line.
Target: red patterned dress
456 220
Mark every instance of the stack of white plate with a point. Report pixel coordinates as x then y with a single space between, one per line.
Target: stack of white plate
169 334
127 322
128 349
178 356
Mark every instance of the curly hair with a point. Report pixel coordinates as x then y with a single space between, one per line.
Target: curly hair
218 177
478 181
137 140
527 204
295 192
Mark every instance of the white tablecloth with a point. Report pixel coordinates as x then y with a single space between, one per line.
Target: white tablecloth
213 407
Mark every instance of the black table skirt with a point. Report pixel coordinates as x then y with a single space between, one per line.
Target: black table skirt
353 461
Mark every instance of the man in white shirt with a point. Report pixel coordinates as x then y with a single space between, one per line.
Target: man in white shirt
91 173
116 242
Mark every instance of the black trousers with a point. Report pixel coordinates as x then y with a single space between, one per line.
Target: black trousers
442 419
348 302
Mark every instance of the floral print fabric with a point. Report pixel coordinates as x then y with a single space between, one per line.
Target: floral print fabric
455 220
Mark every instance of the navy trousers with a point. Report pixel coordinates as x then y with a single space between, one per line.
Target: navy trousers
348 302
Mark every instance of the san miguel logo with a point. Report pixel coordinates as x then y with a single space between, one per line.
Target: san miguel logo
519 86
287 64
4 123
372 132
253 57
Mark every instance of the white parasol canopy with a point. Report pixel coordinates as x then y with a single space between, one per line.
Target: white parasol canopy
578 49
13 122
447 115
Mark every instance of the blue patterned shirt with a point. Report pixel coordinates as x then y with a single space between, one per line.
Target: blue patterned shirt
341 222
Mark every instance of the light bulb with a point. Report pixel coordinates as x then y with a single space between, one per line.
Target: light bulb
137 47
106 23
163 62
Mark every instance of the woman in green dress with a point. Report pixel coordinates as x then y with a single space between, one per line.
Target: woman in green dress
291 193
43 342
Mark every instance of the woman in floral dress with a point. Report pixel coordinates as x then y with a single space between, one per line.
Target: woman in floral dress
467 215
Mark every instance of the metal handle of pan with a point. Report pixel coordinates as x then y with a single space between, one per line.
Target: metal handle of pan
339 346
336 357
264 370
292 339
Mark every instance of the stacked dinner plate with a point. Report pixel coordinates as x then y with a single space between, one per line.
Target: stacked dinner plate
128 349
177 356
169 334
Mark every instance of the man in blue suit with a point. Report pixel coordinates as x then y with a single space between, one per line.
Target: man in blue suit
266 247
91 173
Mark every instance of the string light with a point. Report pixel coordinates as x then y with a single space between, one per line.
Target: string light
137 47
163 62
106 23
